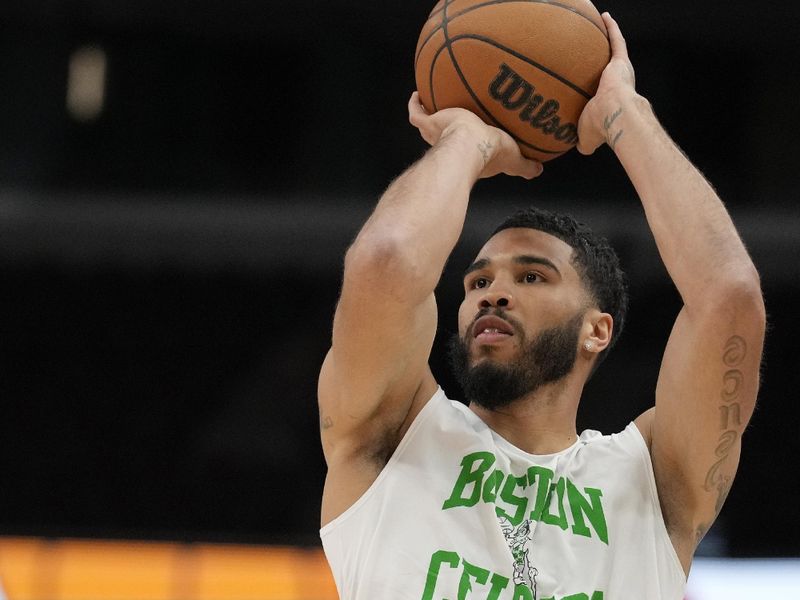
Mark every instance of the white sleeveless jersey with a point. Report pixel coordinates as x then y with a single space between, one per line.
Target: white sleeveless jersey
459 513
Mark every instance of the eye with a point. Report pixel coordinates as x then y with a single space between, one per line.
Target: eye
480 283
532 277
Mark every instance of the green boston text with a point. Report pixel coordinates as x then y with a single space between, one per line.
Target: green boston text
477 482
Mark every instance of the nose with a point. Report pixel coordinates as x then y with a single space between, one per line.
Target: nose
496 297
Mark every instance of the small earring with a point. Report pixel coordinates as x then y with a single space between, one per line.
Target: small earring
588 346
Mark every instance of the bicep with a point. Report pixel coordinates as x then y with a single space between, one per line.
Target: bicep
704 399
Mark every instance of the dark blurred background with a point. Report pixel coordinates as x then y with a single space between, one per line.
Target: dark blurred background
179 181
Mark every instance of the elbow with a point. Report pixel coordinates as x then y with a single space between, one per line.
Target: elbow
739 294
374 253
385 263
744 292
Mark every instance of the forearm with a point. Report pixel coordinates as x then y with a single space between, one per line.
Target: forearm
695 235
419 218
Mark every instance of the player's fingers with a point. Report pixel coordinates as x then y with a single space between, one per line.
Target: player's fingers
619 48
416 112
531 169
525 167
587 144
417 103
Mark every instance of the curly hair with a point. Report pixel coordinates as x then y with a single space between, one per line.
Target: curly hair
593 258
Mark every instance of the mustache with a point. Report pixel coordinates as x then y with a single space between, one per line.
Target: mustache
500 313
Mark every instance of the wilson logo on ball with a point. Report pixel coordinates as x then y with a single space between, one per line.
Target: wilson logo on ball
514 93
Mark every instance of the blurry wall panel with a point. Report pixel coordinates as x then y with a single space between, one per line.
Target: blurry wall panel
270 98
33 75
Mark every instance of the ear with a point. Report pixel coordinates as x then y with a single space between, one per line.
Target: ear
597 332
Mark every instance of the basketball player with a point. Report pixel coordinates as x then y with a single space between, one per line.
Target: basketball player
426 498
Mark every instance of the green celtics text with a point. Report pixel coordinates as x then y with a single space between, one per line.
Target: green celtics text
491 584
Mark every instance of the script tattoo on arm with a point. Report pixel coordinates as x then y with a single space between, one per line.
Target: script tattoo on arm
607 123
484 147
730 418
723 490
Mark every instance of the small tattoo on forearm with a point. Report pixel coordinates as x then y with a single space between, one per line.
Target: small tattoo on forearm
325 422
607 123
484 147
610 119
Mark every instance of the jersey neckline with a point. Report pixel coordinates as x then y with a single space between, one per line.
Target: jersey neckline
509 447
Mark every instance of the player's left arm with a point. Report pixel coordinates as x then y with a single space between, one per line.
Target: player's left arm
708 382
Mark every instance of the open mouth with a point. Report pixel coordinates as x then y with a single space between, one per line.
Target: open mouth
491 329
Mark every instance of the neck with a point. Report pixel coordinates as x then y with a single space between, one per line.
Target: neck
542 422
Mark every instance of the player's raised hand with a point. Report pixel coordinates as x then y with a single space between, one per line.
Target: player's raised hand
499 151
617 84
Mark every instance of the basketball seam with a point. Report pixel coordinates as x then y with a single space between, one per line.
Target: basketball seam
490 3
483 108
448 45
430 77
530 61
435 12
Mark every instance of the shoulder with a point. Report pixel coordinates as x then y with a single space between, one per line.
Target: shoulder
622 457
635 438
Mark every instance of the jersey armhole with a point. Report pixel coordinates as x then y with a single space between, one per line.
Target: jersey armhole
416 425
644 457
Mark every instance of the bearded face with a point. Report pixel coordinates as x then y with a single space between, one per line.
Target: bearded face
546 358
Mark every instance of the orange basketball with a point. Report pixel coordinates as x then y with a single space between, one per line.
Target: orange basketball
526 66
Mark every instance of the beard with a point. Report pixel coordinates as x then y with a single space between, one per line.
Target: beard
546 359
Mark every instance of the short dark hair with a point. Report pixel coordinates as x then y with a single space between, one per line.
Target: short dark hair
593 258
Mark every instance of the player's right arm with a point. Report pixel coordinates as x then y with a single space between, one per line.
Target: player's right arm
376 378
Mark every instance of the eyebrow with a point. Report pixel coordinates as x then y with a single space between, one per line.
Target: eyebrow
479 264
522 259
